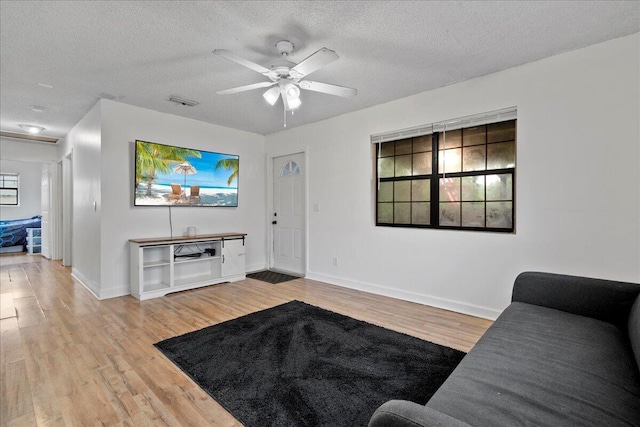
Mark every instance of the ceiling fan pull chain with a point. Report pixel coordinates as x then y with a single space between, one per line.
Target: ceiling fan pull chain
284 109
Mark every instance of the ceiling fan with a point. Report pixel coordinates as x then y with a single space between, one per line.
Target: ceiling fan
287 77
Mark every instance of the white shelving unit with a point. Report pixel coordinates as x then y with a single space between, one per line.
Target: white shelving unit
164 265
34 241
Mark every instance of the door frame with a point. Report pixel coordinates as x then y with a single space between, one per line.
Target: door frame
269 217
67 209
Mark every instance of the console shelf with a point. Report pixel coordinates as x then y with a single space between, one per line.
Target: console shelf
163 265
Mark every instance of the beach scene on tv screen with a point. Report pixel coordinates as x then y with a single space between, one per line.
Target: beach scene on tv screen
170 175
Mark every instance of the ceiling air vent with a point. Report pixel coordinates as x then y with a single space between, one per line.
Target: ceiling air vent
182 101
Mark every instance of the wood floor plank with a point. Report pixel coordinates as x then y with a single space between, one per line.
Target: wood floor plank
10 350
16 402
44 398
67 358
7 307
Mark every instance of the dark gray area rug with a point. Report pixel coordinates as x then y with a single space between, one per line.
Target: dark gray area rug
271 276
299 365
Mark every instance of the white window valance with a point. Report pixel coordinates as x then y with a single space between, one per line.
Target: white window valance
447 125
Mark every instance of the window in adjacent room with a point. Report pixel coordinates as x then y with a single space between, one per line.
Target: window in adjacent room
9 189
471 188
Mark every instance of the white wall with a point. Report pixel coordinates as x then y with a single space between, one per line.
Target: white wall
120 221
578 185
27 151
25 158
83 143
29 189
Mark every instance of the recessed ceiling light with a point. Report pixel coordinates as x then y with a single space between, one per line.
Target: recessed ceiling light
32 128
37 108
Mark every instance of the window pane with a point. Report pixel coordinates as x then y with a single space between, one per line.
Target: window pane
472 188
403 165
291 168
422 143
450 214
474 136
420 213
473 214
503 131
422 163
499 214
387 149
450 189
386 167
403 147
385 213
499 187
8 196
501 155
10 181
450 159
402 213
420 190
451 139
402 191
473 158
385 192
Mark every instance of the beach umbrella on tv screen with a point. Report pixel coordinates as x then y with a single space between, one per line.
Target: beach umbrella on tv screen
186 169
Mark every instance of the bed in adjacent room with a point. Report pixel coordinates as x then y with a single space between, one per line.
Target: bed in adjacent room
13 233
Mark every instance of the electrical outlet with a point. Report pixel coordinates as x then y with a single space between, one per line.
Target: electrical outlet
335 260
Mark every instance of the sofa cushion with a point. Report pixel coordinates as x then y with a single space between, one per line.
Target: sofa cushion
634 329
601 299
541 366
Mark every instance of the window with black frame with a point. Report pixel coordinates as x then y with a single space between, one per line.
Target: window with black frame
8 189
472 187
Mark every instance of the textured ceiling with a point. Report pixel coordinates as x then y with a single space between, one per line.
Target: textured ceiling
63 56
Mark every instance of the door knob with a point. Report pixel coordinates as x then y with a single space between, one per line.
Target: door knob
274 222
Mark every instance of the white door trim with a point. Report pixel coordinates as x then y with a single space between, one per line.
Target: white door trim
269 171
67 210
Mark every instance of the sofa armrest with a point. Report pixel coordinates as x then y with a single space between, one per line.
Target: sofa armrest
402 413
601 299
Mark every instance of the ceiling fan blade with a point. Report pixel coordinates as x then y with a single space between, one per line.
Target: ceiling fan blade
240 60
243 88
345 92
313 62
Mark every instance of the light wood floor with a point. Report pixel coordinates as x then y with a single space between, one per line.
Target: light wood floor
68 359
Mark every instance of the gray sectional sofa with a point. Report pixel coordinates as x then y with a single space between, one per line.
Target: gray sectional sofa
566 352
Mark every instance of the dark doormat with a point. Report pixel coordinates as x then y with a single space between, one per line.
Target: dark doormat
271 276
300 365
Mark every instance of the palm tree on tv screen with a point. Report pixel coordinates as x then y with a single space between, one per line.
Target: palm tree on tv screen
230 164
152 159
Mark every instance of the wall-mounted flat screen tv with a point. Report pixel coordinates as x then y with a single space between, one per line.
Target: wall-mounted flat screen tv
167 175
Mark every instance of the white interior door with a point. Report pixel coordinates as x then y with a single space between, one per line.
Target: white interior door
289 214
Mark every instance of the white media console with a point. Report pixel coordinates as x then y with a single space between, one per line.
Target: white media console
163 265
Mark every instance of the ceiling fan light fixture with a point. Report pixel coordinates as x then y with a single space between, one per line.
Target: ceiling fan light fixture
33 129
292 91
292 94
272 95
293 103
